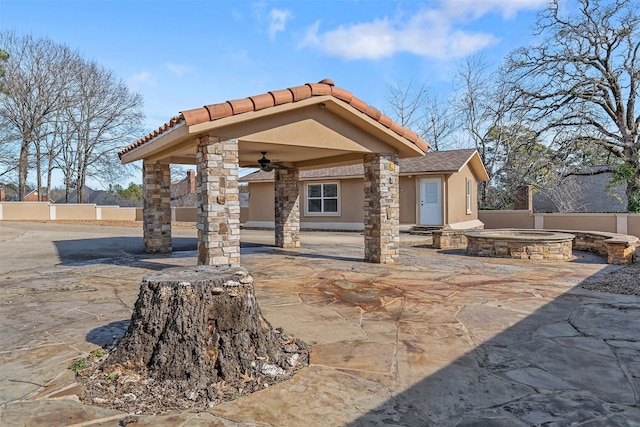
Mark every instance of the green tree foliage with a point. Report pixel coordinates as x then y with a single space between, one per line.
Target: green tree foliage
132 192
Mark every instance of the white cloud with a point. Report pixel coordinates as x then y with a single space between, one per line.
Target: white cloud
435 33
143 78
177 69
508 8
278 20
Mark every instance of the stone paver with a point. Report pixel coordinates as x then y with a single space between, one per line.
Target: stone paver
438 339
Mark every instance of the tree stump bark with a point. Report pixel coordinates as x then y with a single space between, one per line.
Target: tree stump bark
200 326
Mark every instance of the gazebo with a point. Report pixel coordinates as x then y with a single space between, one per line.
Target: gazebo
315 125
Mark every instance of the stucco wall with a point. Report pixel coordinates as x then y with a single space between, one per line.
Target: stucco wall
457 197
587 221
633 224
507 219
352 200
185 214
612 223
115 213
408 205
16 211
75 212
261 201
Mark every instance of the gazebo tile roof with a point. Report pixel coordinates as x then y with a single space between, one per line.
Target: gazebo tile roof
274 98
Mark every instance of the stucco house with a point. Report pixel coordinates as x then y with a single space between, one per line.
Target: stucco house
437 189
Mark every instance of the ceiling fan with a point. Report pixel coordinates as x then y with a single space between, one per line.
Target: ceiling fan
267 166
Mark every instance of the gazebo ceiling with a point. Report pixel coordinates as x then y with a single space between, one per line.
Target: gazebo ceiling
305 127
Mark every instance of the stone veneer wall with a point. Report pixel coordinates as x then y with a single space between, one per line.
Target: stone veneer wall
218 202
559 250
381 208
156 187
287 208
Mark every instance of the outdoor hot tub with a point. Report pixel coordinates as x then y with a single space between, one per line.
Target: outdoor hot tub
520 244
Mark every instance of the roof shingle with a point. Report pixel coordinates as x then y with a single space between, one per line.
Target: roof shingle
432 162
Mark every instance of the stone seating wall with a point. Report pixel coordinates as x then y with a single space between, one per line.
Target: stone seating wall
618 248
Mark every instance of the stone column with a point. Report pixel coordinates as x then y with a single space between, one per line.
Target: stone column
381 208
156 211
287 208
218 205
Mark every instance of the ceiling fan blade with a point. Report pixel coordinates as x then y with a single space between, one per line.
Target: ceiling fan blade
267 166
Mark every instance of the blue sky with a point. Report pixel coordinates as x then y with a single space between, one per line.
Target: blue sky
184 54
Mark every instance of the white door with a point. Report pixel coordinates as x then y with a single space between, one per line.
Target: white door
430 201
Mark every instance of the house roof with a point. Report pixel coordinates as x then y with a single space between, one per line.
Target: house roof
98 197
589 191
226 114
433 162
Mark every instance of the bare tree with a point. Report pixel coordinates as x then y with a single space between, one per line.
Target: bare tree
439 122
485 109
579 82
416 108
103 114
34 82
4 56
406 102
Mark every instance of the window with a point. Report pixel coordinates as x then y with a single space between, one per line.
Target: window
322 198
468 193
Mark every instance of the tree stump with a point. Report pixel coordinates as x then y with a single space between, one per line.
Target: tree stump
200 327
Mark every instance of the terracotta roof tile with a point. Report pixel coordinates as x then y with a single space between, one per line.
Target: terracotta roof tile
218 111
345 95
262 101
385 121
195 116
325 87
374 113
399 129
300 92
359 104
283 96
240 106
318 89
327 82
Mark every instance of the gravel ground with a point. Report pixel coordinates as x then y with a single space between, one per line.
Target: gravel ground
625 280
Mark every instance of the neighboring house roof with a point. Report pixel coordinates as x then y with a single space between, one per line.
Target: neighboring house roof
325 88
583 193
100 198
433 162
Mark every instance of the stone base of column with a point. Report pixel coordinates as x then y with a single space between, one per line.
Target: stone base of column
218 202
157 207
381 209
287 208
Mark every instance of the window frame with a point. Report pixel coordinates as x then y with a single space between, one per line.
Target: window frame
469 196
322 198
